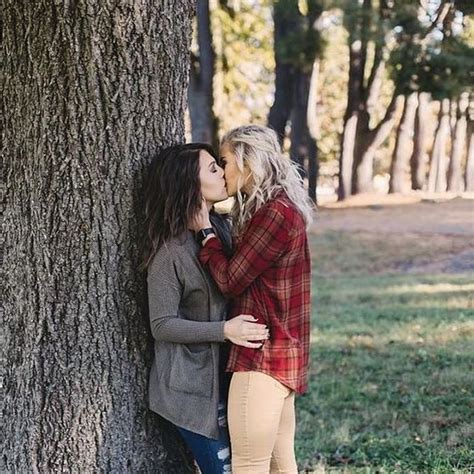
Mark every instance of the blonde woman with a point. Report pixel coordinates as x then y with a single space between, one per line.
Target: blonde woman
268 276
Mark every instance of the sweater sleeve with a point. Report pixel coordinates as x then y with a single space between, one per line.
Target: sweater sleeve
165 291
262 244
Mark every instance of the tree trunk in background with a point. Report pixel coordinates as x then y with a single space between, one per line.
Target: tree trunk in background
455 181
370 140
312 123
346 160
469 178
92 90
438 163
280 110
204 123
399 176
419 158
354 106
359 140
303 145
294 84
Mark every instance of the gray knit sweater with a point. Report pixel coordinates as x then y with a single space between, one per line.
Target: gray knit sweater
187 315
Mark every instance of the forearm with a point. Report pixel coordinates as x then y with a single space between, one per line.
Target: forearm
173 329
219 265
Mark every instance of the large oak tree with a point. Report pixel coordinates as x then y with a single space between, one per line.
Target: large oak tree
91 90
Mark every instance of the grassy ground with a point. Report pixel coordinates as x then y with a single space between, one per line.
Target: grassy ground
391 387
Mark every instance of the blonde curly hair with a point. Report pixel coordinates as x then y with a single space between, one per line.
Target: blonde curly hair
257 148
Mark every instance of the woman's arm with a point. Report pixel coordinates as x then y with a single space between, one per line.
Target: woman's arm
164 295
262 244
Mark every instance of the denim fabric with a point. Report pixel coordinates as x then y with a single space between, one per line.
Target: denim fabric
212 456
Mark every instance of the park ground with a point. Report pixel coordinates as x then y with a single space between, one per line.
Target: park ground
391 381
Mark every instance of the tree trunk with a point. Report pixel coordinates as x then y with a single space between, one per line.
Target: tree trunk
313 161
369 141
438 163
346 160
204 123
303 145
419 158
470 158
399 175
92 90
455 182
284 72
349 137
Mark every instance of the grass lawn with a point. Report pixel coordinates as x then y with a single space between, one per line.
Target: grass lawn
391 386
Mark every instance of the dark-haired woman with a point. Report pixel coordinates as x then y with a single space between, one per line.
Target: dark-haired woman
188 313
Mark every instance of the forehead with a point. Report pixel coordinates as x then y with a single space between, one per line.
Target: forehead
206 158
225 149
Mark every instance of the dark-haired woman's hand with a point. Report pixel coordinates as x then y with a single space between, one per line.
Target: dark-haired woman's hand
242 329
202 219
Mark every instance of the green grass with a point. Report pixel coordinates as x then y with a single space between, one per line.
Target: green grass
391 385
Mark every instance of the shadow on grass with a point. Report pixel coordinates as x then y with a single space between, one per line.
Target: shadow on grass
400 407
392 375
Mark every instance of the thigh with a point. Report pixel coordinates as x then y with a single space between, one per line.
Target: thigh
212 456
283 457
255 406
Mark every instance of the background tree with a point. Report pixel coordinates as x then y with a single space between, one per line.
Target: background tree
204 123
92 90
419 157
369 27
469 174
297 44
455 181
402 153
433 61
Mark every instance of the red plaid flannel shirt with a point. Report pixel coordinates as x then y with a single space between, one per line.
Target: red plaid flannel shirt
269 277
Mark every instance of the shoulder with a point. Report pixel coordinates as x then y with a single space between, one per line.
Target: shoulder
283 213
281 208
167 260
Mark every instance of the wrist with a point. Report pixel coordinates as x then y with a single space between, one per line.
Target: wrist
203 235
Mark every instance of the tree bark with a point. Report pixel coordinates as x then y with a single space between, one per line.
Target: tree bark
92 90
438 163
204 123
455 181
419 158
399 174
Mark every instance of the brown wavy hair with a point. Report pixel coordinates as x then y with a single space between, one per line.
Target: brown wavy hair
172 195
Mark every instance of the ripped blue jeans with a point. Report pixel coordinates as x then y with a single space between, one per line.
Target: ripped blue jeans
212 455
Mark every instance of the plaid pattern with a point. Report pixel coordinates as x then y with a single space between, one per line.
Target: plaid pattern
269 278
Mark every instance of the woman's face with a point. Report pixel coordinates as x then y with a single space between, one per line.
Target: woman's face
234 178
211 176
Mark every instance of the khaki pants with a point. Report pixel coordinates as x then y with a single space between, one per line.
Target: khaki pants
261 417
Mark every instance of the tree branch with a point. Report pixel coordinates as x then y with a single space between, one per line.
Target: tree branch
381 131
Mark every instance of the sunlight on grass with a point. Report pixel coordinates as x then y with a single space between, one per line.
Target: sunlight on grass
428 289
392 366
